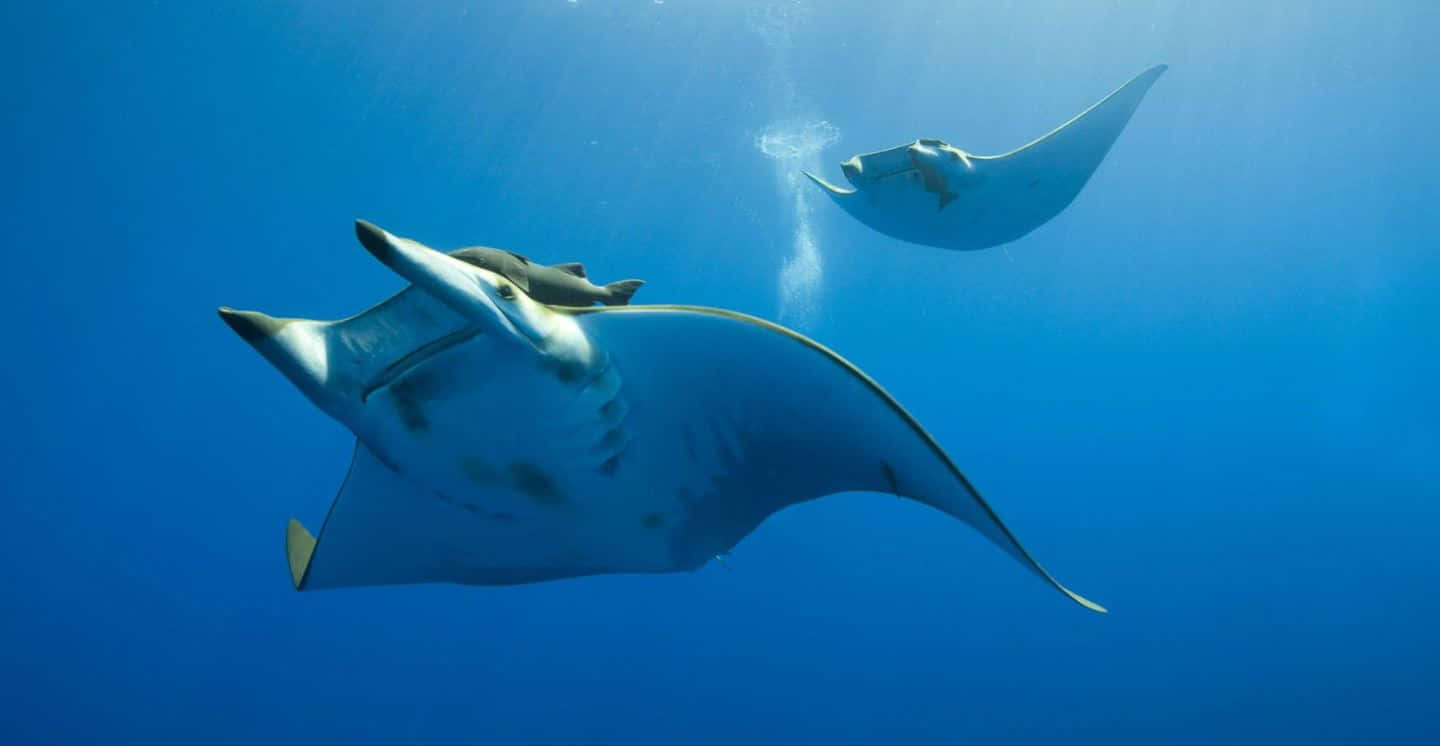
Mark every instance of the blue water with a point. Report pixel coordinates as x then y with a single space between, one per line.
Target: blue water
1204 395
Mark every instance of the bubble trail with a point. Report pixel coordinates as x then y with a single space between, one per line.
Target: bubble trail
794 140
796 146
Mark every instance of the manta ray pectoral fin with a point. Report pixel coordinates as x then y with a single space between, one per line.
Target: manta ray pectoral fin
1083 601
463 287
748 447
298 348
383 529
968 505
1070 153
831 189
299 548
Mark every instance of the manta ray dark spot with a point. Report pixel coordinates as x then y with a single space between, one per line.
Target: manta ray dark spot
536 484
407 407
478 471
613 410
653 521
727 452
614 438
461 504
889 473
609 465
566 371
569 372
687 436
419 387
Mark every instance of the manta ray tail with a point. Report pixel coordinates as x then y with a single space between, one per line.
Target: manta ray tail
620 292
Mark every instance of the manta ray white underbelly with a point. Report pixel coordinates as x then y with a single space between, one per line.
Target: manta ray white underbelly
931 193
502 441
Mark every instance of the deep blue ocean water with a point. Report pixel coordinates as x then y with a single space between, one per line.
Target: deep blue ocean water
1203 395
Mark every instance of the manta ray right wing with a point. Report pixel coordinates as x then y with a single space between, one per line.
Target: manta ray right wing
743 418
1036 181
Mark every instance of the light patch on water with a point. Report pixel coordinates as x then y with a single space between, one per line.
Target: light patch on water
796 146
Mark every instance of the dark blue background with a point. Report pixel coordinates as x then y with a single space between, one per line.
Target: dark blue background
1204 395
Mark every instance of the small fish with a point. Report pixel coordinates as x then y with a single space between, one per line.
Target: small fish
563 284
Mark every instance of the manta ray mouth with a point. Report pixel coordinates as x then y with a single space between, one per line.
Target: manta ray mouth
417 357
877 175
893 174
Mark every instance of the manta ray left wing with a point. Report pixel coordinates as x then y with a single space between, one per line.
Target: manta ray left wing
741 418
1036 181
384 530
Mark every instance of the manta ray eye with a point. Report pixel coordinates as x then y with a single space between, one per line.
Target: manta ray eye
506 292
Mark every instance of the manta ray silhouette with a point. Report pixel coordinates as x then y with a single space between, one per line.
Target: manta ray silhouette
932 193
500 440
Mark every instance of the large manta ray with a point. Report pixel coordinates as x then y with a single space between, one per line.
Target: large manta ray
500 440
932 193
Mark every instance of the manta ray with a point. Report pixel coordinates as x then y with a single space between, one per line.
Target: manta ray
500 440
932 193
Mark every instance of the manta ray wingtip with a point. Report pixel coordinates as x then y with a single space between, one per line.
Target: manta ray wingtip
373 238
252 326
1087 603
829 188
1056 584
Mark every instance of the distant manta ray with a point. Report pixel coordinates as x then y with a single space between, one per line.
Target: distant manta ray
932 193
501 441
